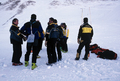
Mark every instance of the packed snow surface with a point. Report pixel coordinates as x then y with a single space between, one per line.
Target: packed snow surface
103 16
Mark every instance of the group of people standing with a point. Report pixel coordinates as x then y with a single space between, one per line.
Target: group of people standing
55 37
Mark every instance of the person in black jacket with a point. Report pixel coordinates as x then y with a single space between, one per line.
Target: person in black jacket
50 42
58 42
40 42
84 39
16 40
32 28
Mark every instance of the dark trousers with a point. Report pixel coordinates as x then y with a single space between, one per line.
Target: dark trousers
66 47
59 51
40 41
17 53
81 45
34 55
64 44
51 51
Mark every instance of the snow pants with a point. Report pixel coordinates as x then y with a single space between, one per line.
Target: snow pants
59 51
64 44
34 55
81 45
40 41
51 50
17 53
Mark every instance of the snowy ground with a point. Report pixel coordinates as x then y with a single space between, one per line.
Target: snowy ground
103 16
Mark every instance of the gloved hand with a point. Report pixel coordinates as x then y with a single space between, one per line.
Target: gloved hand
91 41
78 41
64 36
24 38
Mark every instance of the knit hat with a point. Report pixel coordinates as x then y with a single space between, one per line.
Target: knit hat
85 19
52 19
55 20
64 24
33 16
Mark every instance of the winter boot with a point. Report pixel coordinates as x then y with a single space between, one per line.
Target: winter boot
64 51
86 57
20 63
77 56
26 63
34 66
38 56
17 64
89 55
49 64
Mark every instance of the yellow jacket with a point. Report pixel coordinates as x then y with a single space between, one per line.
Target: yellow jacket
40 34
65 32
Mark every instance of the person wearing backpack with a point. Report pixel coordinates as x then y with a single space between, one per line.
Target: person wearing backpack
58 42
32 29
84 39
16 40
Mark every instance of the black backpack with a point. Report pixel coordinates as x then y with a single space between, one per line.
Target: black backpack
108 54
54 32
93 47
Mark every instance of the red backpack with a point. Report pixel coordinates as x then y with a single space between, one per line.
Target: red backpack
102 53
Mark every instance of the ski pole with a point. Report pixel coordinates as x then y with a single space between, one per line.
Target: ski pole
90 16
82 16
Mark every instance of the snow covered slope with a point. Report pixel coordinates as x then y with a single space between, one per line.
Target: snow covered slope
103 16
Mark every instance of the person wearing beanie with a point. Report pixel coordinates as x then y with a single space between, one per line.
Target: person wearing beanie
84 39
32 29
33 18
